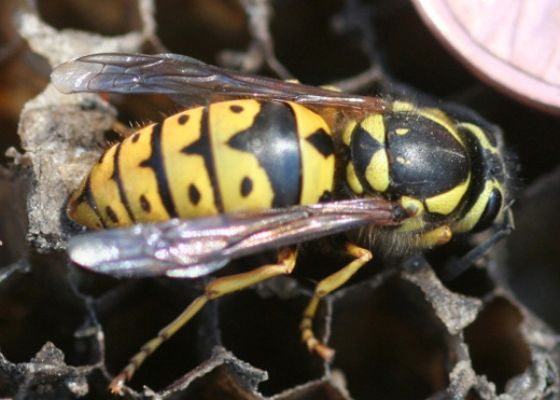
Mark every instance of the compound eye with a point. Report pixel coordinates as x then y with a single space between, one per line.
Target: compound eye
491 211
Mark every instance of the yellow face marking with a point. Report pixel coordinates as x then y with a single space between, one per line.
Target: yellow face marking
353 180
317 171
473 216
402 131
374 125
377 171
234 167
187 176
105 191
140 182
479 133
414 223
445 203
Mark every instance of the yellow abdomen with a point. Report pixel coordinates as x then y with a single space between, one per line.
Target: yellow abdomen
225 157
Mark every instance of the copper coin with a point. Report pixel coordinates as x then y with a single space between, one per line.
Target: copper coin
513 44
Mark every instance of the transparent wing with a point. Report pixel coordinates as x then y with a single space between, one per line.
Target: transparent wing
193 248
182 77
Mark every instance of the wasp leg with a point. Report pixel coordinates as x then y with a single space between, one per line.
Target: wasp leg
435 237
324 287
216 288
454 269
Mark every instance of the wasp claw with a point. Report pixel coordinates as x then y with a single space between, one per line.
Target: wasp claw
117 384
325 352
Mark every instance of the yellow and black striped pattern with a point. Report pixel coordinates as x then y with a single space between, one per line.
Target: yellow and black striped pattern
250 154
224 157
423 158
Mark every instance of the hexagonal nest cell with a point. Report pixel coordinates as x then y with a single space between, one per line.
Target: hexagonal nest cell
400 330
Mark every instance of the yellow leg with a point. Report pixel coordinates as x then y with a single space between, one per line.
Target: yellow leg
216 288
436 237
324 287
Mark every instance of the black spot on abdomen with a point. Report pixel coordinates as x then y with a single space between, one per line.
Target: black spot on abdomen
145 204
273 140
111 214
246 186
194 195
